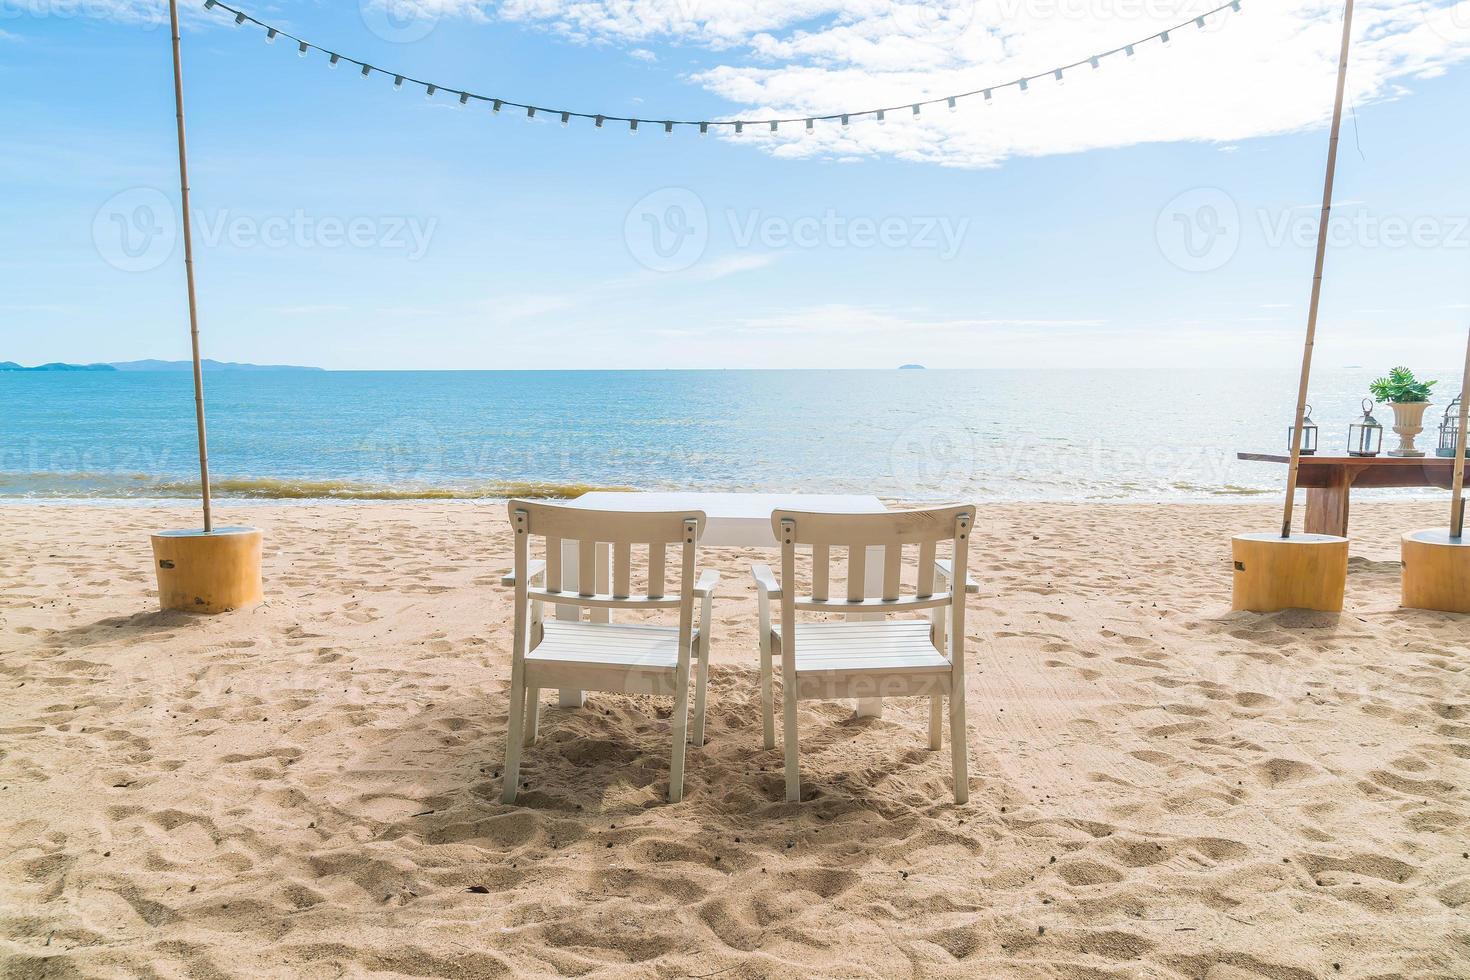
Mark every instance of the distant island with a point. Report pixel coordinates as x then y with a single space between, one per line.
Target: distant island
911 367
155 365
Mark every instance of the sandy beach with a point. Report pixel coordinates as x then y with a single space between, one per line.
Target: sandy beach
1160 787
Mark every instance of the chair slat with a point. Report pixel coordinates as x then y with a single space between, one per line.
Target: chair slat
622 568
892 569
656 568
821 571
553 564
857 569
926 569
586 566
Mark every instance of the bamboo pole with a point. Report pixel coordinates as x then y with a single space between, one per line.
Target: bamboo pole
173 19
1457 488
1301 395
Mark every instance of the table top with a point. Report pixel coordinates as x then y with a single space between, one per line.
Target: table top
1380 460
734 520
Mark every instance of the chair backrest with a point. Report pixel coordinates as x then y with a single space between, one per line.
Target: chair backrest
595 532
920 531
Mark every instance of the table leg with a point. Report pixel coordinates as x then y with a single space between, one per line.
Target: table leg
1327 507
873 578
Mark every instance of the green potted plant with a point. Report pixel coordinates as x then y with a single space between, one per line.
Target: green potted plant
1408 397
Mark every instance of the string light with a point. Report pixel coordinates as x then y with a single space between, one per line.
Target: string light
879 115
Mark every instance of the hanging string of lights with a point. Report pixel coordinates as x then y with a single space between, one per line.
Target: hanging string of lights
914 109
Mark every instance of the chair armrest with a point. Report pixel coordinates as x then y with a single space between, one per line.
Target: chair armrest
942 564
537 568
709 579
765 582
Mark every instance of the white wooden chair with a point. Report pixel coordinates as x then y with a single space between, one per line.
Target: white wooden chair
872 656
602 656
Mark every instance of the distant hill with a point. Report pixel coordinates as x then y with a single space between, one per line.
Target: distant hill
154 365
55 366
911 367
207 364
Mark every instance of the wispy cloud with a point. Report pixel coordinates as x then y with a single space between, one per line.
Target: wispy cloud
838 318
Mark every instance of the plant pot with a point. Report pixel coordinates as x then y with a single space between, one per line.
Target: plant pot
1408 422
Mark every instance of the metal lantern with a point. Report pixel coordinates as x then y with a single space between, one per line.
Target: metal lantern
1449 429
1365 436
1309 434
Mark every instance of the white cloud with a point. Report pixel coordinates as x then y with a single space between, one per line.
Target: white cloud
839 318
1267 70
643 54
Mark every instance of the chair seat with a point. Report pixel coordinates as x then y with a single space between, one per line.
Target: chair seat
879 647
610 644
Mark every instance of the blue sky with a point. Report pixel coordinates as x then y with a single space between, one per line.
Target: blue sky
1157 213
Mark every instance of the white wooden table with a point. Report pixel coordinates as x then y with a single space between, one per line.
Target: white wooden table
732 520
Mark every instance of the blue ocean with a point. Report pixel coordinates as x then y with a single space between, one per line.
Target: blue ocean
1104 435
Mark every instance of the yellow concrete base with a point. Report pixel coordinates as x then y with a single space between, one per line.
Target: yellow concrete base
1436 570
1304 571
208 573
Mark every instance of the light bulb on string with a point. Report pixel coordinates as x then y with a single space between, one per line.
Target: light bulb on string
597 122
333 61
566 117
879 116
632 126
1025 84
1199 22
844 120
239 19
530 112
668 129
367 70
739 128
810 126
1164 36
495 105
704 129
773 125
1094 62
397 83
464 99
953 105
301 49
916 110
989 98
270 35
1061 80
429 91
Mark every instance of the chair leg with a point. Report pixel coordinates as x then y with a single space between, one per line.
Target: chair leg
513 736
959 744
768 707
788 725
681 732
533 715
699 686
936 723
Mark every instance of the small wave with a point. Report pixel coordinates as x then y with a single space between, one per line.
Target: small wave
139 486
